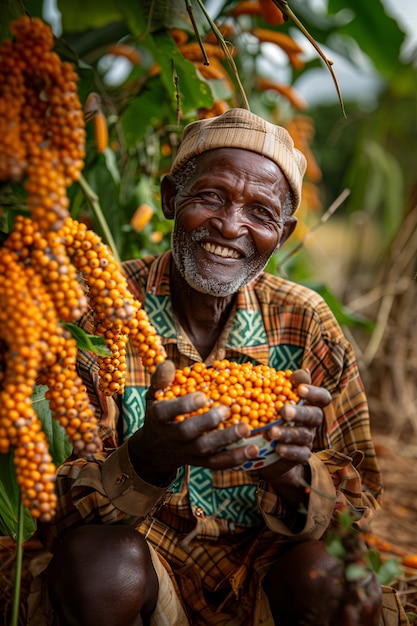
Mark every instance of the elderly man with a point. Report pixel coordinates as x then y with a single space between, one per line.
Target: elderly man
211 545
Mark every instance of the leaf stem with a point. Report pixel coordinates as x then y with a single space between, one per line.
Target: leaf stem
93 200
288 13
197 34
18 569
227 54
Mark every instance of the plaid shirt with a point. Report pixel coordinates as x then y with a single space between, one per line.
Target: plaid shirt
229 524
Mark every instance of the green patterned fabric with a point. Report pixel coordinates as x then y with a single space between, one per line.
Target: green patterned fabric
160 314
247 329
236 504
159 310
133 410
284 357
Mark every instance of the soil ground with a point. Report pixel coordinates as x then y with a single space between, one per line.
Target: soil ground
396 523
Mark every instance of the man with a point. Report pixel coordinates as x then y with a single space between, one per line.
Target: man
214 546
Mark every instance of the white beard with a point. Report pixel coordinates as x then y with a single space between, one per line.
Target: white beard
183 254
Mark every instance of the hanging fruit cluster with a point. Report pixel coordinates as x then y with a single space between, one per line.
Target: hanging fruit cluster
43 143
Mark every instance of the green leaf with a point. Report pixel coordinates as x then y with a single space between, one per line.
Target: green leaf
10 499
377 34
78 15
10 10
194 93
354 572
111 164
388 571
59 445
335 547
153 15
101 181
88 342
374 559
141 114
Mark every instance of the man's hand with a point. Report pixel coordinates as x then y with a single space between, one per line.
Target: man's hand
295 439
163 445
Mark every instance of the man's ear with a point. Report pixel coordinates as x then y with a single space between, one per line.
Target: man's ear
168 194
290 224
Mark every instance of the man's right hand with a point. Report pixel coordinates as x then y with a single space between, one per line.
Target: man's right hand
163 444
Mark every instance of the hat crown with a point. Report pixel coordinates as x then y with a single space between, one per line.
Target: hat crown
240 128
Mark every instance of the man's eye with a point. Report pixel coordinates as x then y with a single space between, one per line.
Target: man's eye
210 196
263 212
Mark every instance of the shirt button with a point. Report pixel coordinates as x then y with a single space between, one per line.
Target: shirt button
199 512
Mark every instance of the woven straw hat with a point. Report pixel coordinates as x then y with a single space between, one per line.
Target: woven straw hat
239 128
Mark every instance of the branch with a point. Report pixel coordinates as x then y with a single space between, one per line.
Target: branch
288 14
227 54
327 215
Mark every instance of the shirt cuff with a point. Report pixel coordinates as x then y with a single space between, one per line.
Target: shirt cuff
322 500
125 489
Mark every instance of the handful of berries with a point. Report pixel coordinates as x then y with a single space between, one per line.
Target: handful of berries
254 393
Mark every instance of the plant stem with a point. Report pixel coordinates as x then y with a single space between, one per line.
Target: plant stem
93 200
227 54
18 569
288 13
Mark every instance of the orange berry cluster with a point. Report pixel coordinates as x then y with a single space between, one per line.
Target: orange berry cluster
69 402
36 349
48 255
41 121
43 139
118 315
254 393
22 304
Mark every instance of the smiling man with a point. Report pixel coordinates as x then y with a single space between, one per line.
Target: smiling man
212 545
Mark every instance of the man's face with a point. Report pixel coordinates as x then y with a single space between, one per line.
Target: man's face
228 220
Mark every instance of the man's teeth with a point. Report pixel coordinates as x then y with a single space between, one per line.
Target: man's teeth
226 253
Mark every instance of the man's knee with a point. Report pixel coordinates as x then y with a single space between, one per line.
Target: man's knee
103 570
307 585
304 580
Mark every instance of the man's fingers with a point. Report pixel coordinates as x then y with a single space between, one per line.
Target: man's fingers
161 378
163 375
299 377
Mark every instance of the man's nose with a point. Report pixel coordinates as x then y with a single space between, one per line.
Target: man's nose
230 221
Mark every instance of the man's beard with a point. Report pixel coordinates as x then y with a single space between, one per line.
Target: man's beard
182 251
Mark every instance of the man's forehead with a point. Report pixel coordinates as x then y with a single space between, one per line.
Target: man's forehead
239 161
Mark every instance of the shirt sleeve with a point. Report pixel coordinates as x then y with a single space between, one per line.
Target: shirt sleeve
321 504
335 486
104 489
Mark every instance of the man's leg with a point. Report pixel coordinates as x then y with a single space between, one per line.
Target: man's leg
103 576
305 587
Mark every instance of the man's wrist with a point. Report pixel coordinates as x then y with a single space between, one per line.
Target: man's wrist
126 490
145 469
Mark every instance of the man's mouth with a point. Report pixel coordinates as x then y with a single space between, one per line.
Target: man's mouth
222 251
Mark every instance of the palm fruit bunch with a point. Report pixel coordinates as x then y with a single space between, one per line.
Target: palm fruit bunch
41 262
